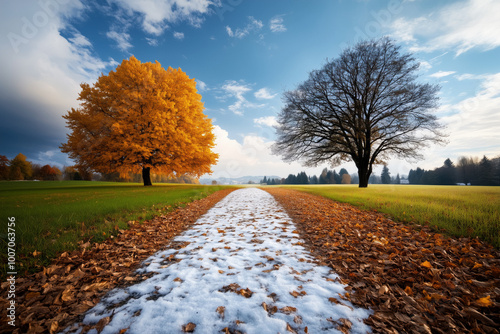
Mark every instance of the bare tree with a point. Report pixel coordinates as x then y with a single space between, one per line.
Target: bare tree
364 106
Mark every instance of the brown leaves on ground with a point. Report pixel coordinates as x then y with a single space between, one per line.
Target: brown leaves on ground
234 287
415 280
189 327
49 301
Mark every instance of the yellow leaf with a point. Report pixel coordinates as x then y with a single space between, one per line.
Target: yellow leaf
485 301
426 264
53 327
67 295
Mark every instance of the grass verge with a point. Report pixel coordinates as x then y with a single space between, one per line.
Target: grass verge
54 217
460 211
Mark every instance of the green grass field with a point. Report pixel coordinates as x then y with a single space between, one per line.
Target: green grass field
52 217
461 211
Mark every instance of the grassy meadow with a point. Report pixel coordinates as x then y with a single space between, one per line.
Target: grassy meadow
53 217
459 210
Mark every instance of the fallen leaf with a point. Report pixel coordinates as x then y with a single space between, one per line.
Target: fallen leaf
426 264
383 290
221 310
288 309
484 302
31 295
189 327
102 323
247 293
54 326
290 329
67 294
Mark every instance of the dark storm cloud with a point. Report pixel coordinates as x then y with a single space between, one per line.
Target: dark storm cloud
28 128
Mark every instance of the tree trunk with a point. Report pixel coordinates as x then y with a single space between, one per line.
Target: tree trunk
364 176
146 176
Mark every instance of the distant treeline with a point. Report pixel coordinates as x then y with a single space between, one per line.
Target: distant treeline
332 177
468 170
19 168
326 177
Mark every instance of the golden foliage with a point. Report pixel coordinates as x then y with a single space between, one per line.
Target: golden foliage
141 116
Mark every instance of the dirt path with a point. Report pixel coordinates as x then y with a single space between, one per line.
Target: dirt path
239 268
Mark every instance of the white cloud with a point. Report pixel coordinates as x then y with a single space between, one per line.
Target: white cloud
425 65
41 75
264 94
251 157
200 85
156 14
473 123
121 38
441 74
80 40
237 90
178 35
276 24
152 41
460 26
253 25
468 76
267 120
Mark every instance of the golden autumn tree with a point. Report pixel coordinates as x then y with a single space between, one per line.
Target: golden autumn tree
141 117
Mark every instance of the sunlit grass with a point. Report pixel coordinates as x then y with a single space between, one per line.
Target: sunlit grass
53 217
461 211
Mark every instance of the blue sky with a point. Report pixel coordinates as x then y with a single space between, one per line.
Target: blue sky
244 54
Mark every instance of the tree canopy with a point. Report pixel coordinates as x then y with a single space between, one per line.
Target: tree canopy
20 168
141 117
364 106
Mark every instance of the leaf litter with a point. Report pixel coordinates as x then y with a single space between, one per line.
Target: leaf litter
415 280
50 300
239 269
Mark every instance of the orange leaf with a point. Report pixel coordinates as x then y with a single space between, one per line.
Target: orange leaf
221 310
288 309
477 265
484 302
53 327
247 293
426 264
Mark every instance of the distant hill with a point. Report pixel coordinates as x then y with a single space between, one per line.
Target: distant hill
237 180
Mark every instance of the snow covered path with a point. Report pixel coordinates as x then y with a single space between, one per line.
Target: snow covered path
240 268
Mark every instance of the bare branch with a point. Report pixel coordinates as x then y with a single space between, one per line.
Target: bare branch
365 105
